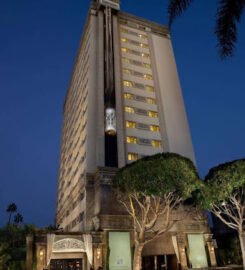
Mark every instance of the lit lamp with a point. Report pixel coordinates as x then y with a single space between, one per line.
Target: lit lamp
41 253
98 253
110 121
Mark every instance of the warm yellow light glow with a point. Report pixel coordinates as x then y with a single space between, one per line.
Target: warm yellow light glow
149 88
130 124
132 156
124 49
128 96
151 100
124 40
41 253
156 143
129 109
131 139
127 84
154 128
127 71
152 114
147 77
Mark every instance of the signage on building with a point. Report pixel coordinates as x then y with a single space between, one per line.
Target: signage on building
111 3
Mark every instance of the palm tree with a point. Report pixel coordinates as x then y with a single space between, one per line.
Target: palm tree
12 208
228 15
18 218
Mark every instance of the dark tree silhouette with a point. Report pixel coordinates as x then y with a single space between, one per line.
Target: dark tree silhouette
18 218
228 16
12 208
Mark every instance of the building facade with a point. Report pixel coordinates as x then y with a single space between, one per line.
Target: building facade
124 102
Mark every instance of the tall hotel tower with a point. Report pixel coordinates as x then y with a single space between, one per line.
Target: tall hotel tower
124 102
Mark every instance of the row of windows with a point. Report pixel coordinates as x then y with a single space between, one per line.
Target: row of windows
136 73
139 98
129 109
132 124
142 141
135 62
133 42
131 84
127 50
124 30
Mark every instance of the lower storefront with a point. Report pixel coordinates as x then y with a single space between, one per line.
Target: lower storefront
113 250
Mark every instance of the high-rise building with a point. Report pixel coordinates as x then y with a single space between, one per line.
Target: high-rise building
124 102
125 64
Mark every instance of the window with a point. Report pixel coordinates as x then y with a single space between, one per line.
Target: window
152 114
130 124
124 40
132 156
151 100
128 96
127 84
154 128
147 77
131 139
127 71
156 143
124 49
149 88
142 36
126 60
129 109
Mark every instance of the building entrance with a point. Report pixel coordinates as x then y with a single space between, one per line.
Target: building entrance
160 262
66 264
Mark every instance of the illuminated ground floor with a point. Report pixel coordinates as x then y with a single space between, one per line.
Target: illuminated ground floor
114 250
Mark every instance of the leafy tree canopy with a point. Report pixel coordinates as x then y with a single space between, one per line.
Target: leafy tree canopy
222 181
158 175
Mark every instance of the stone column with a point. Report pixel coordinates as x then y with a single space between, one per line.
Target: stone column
29 252
182 254
209 242
41 256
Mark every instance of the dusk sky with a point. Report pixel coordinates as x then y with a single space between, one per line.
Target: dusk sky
39 40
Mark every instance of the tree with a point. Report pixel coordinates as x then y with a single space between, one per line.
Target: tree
150 190
224 196
12 208
18 218
228 15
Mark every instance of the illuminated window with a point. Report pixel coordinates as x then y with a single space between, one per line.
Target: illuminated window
130 124
142 45
132 156
146 65
147 77
123 30
127 71
126 60
127 84
124 49
129 109
131 139
156 143
151 100
124 40
154 128
152 114
145 55
149 88
128 96
142 36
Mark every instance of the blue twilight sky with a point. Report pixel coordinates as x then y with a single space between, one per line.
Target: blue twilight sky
38 43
